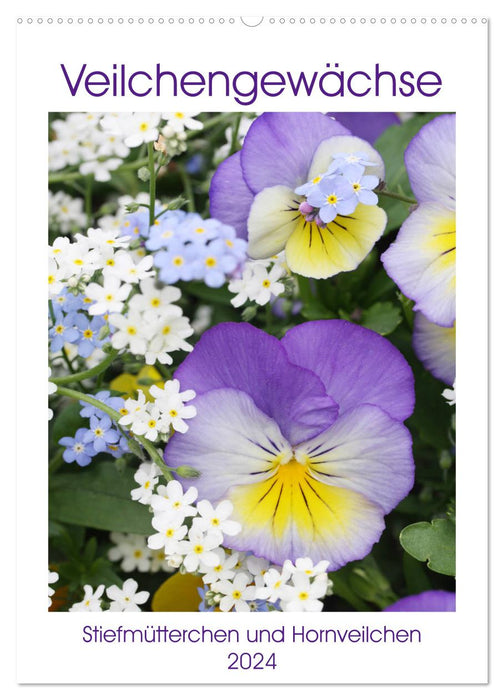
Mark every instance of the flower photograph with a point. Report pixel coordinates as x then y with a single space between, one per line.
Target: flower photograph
251 362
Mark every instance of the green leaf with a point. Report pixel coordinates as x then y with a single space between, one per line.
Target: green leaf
415 576
383 317
219 295
98 497
314 310
432 542
391 146
432 416
68 421
361 583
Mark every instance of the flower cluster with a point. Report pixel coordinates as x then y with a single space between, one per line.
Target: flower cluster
109 292
125 599
155 419
74 263
153 326
259 282
188 247
65 213
100 436
98 142
257 586
133 554
191 534
338 190
71 325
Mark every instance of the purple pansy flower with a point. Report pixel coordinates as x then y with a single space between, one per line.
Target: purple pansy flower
254 190
367 125
303 435
428 601
422 259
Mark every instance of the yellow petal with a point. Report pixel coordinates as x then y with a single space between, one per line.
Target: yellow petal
179 593
341 246
128 384
294 511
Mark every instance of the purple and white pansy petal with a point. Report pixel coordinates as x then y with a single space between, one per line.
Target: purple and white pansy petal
422 261
364 451
435 347
230 196
293 513
279 147
231 441
430 162
355 364
285 158
239 356
366 125
427 601
322 496
272 220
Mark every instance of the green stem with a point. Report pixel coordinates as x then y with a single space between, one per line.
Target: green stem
51 312
219 119
56 461
86 374
163 371
88 200
234 138
67 359
396 195
116 416
188 191
152 183
66 176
